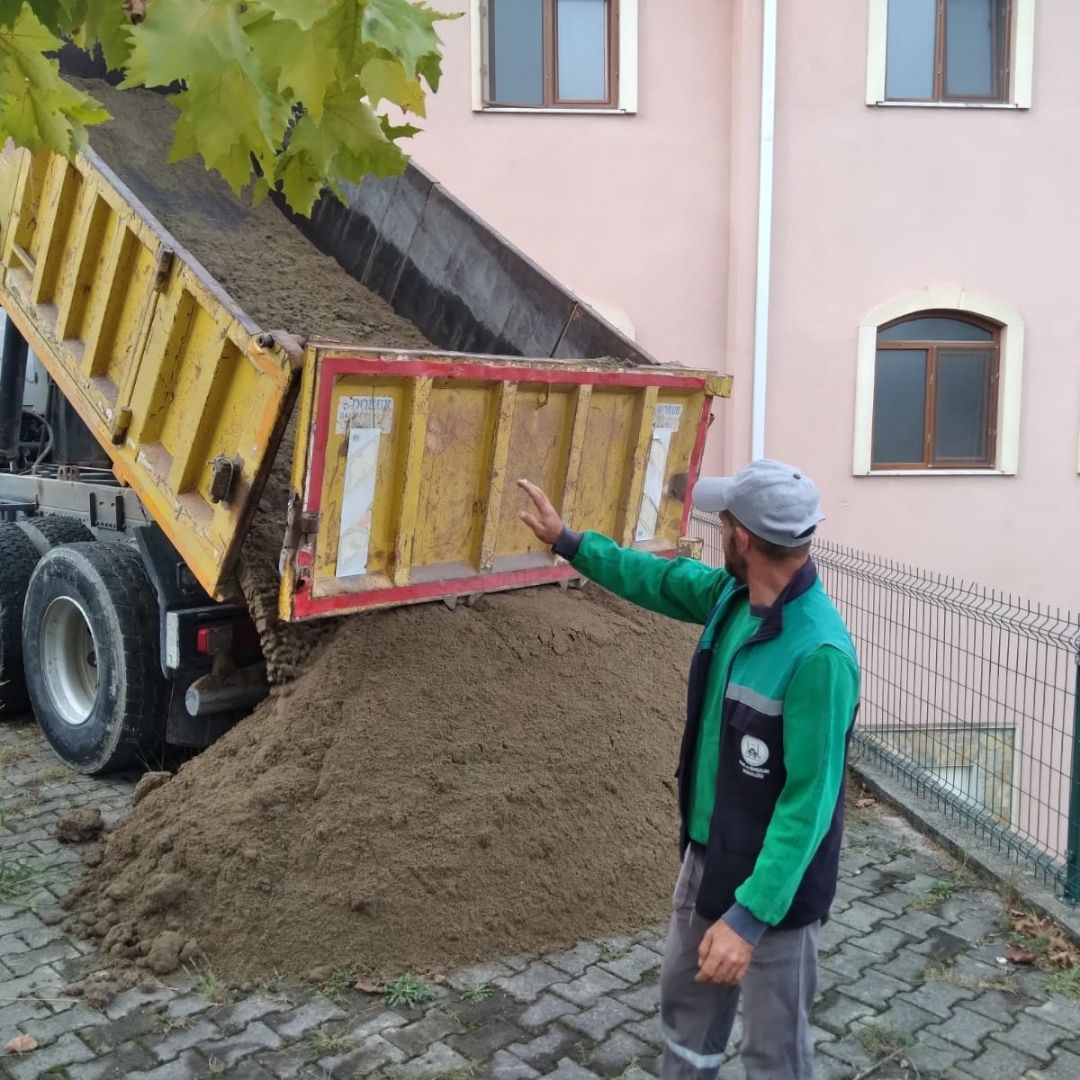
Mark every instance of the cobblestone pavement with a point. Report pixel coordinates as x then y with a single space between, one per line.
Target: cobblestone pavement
911 983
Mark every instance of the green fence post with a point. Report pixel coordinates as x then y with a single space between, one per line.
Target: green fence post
1072 857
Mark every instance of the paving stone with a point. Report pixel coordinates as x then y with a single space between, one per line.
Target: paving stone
892 900
135 998
36 937
1000 1005
884 941
850 961
122 1062
645 999
834 934
862 916
46 1031
189 1066
532 982
438 1060
255 1037
104 1037
997 1063
545 1010
42 979
647 1030
1061 1011
18 1012
933 1056
172 1045
296 1022
374 1053
907 966
236 1017
590 987
1033 1037
602 1018
968 1029
416 1037
505 1066
840 1013
1065 1066
636 963
486 1039
570 1070
375 1025
917 924
66 1050
876 989
577 959
616 1053
188 1005
480 975
938 998
543 1051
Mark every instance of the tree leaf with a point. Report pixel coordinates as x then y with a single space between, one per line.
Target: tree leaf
386 80
1017 954
405 29
304 13
21 1044
37 108
104 23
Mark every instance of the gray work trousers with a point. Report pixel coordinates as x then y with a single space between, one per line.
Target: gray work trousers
777 992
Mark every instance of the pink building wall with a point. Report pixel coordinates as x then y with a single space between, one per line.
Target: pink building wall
654 214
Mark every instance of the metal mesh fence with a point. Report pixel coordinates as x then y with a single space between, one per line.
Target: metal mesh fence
968 697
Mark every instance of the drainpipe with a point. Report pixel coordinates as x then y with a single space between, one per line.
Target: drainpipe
764 228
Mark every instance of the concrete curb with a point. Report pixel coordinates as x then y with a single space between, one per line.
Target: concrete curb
972 851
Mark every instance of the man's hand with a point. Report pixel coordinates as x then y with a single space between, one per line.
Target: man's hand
546 522
723 956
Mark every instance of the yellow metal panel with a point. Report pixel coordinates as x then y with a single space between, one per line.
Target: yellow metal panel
156 358
460 430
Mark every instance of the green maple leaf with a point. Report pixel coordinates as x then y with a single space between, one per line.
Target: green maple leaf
304 13
404 28
307 72
37 108
104 23
386 79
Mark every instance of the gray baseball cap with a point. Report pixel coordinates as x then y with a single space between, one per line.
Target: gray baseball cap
776 502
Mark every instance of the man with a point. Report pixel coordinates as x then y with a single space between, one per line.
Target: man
773 691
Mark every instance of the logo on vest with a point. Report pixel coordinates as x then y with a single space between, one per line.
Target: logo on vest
754 756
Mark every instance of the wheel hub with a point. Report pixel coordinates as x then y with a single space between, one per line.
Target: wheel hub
69 660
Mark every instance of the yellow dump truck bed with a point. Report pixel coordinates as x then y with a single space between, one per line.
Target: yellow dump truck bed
402 462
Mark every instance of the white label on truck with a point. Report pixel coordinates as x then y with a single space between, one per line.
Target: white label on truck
666 420
365 411
358 500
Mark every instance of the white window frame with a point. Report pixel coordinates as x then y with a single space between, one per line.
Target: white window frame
1010 375
628 66
1022 63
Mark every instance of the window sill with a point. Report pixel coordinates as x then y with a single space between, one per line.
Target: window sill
1008 106
935 472
554 111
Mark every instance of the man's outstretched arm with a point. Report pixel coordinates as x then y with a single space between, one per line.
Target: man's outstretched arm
680 588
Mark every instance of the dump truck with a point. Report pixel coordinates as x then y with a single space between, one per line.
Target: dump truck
143 413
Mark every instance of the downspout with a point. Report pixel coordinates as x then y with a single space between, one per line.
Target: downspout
764 228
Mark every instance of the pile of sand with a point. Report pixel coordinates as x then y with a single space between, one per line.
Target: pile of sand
439 787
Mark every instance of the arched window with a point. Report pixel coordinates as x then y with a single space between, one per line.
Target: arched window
935 392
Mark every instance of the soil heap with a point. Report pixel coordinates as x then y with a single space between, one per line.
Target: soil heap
436 787
439 787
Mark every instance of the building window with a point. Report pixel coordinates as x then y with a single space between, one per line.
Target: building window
947 50
552 54
965 53
935 393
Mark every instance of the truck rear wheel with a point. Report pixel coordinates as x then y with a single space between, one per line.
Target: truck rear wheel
90 649
46 533
17 559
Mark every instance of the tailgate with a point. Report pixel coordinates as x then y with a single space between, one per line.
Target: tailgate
157 359
403 478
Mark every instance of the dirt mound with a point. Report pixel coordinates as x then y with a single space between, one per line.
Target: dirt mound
439 787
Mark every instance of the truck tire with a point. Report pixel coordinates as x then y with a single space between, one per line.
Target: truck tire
45 533
90 648
17 560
